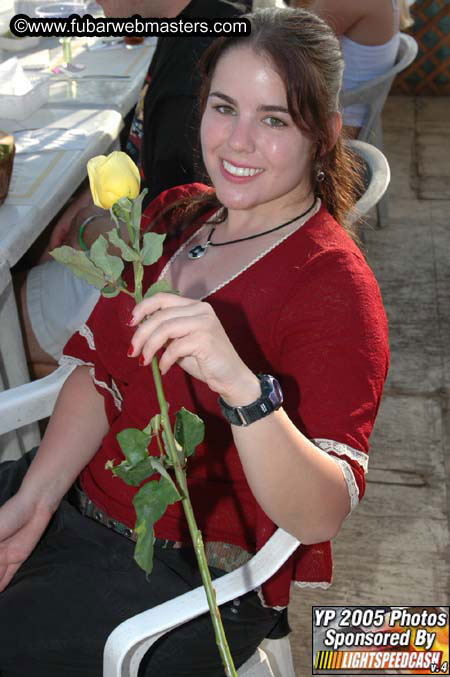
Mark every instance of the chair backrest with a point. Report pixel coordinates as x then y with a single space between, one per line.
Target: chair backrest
31 402
378 176
373 94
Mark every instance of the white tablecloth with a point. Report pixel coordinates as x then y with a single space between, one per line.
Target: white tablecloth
42 182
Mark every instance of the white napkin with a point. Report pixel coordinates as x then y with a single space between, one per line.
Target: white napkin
13 79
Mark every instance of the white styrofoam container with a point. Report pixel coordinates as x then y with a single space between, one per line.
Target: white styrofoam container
18 107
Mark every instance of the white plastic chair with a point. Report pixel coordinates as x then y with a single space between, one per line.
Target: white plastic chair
373 94
379 176
13 365
128 643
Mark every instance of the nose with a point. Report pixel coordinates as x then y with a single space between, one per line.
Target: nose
241 138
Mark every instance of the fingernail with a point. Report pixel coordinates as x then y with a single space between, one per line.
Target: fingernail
130 322
130 351
141 361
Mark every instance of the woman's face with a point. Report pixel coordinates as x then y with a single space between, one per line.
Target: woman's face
253 151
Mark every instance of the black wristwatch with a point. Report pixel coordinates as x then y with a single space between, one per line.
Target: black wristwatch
270 400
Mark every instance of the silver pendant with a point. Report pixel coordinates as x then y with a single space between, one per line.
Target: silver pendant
198 251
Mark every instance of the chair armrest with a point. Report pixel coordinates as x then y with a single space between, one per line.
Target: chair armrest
31 401
379 179
127 644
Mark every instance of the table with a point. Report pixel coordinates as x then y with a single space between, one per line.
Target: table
87 89
41 184
43 181
120 94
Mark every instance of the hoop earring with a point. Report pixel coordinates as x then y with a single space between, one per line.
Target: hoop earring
320 176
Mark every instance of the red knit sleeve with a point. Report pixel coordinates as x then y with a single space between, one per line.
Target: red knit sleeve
334 358
83 349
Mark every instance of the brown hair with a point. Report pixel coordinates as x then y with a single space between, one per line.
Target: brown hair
306 54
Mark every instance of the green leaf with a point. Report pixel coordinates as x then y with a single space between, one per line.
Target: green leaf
189 430
152 248
158 467
136 210
134 474
153 425
112 266
150 503
137 465
122 208
80 265
128 254
133 443
161 285
110 291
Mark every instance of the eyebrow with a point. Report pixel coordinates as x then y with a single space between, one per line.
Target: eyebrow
263 108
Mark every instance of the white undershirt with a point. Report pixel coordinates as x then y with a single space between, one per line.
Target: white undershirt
364 63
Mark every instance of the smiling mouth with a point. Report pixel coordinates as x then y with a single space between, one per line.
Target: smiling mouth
240 171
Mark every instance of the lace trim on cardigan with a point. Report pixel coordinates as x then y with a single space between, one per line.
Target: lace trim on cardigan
263 601
68 359
86 333
309 216
296 584
341 449
113 390
350 481
312 584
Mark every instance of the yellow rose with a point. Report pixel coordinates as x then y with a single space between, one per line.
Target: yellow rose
112 177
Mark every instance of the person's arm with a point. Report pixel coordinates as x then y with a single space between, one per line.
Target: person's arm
74 433
341 16
299 488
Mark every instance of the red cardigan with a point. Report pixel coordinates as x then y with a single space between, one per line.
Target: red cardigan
308 312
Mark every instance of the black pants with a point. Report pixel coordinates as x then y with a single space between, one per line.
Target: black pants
81 581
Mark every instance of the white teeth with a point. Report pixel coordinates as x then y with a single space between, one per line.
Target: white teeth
240 171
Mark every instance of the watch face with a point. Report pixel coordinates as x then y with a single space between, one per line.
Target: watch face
275 394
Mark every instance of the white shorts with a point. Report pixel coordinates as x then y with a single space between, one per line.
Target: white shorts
58 304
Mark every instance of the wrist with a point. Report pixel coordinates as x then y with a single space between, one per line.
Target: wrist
243 392
40 499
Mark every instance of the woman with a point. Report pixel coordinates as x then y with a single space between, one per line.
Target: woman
270 284
369 36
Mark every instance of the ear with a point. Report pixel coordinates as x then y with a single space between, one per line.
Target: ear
334 127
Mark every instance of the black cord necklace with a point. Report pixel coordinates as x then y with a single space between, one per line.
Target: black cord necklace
200 250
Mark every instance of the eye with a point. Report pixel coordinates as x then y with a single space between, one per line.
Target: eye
224 109
271 121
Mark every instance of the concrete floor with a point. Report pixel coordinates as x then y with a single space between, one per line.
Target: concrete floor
394 550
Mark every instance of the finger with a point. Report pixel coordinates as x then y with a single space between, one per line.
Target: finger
149 342
177 350
157 302
7 574
151 323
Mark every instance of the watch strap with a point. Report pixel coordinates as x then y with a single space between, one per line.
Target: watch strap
245 415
